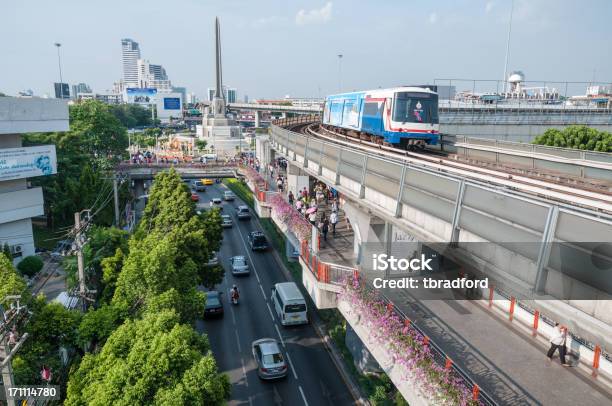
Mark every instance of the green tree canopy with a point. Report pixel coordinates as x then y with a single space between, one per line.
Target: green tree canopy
10 281
132 115
577 137
156 361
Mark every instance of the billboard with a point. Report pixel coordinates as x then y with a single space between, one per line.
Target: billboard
27 162
172 103
143 95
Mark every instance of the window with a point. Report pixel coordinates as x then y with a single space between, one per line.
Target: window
371 109
295 308
414 107
279 300
272 359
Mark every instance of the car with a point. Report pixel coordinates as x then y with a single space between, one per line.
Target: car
207 181
270 361
239 265
214 260
198 186
243 213
62 248
258 241
226 221
214 306
229 196
195 197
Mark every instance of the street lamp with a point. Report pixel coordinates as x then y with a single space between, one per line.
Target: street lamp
59 64
340 73
508 46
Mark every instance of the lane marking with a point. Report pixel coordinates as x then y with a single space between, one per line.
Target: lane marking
270 310
250 401
256 275
246 381
238 341
263 293
279 334
291 365
233 317
303 396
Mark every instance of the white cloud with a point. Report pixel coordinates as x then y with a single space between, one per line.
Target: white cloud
489 6
314 16
433 18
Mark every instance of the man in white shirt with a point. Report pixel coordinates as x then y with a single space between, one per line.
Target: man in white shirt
558 341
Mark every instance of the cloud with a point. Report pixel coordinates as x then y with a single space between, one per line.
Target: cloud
314 16
270 20
489 6
433 18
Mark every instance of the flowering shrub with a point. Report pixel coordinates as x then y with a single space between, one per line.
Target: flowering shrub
288 215
406 347
253 175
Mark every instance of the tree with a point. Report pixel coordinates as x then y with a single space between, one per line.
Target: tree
201 144
155 360
51 327
577 137
10 281
30 265
104 242
6 250
132 115
98 324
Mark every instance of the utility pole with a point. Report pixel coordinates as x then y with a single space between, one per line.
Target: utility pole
116 197
80 263
10 337
508 47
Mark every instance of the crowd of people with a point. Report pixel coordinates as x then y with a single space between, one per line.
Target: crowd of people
309 204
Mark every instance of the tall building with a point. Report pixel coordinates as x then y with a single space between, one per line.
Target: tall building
152 76
130 52
246 98
192 98
80 88
229 94
18 201
62 90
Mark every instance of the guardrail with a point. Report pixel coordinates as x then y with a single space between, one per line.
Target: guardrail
301 119
125 165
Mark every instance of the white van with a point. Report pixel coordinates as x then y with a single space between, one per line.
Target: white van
289 304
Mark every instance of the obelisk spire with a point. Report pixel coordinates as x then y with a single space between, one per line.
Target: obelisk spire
219 82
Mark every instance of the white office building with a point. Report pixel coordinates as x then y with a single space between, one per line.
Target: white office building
18 201
130 53
229 94
152 76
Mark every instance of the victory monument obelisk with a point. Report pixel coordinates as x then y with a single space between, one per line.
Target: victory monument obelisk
220 128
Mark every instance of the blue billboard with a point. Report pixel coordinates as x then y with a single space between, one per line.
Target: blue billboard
172 103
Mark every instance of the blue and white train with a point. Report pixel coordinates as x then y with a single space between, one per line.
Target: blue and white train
405 117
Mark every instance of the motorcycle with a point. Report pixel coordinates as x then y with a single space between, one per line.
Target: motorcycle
234 295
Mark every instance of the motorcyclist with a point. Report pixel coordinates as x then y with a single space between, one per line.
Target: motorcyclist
235 294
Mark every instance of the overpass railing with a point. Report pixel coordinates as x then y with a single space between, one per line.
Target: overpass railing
126 165
301 119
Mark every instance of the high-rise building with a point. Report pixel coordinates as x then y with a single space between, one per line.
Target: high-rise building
130 52
80 88
62 90
152 76
229 94
192 98
246 98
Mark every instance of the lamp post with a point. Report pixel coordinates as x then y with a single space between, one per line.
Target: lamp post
59 64
505 78
340 73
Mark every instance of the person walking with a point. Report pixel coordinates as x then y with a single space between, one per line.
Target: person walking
312 217
291 198
557 341
334 205
325 229
333 219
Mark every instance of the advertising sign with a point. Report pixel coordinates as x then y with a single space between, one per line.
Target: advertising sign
143 95
172 103
27 162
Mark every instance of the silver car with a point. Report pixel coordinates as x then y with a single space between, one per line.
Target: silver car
228 196
214 260
239 265
270 360
226 221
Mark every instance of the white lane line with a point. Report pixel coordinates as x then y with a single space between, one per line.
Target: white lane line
291 365
250 401
256 275
233 316
246 381
303 396
263 293
270 310
279 334
238 341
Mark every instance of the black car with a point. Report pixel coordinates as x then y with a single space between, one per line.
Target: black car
258 241
214 306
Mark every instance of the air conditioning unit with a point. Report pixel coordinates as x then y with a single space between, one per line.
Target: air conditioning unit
16 250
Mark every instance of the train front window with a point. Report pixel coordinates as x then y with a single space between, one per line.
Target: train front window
414 107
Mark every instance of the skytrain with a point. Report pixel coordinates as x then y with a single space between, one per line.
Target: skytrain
404 117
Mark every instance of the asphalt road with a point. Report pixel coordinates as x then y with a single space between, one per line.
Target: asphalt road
313 378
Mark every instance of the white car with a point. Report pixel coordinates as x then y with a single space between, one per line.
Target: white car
239 265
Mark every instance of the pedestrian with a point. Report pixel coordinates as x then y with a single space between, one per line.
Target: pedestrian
333 219
313 217
325 229
298 205
334 205
557 341
290 197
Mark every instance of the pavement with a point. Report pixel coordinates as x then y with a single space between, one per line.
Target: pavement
313 378
52 280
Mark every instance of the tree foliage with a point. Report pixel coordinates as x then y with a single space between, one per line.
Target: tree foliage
577 137
10 281
155 360
132 115
30 265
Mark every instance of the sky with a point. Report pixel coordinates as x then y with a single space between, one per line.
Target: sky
290 47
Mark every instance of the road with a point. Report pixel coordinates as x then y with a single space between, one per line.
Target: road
313 378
